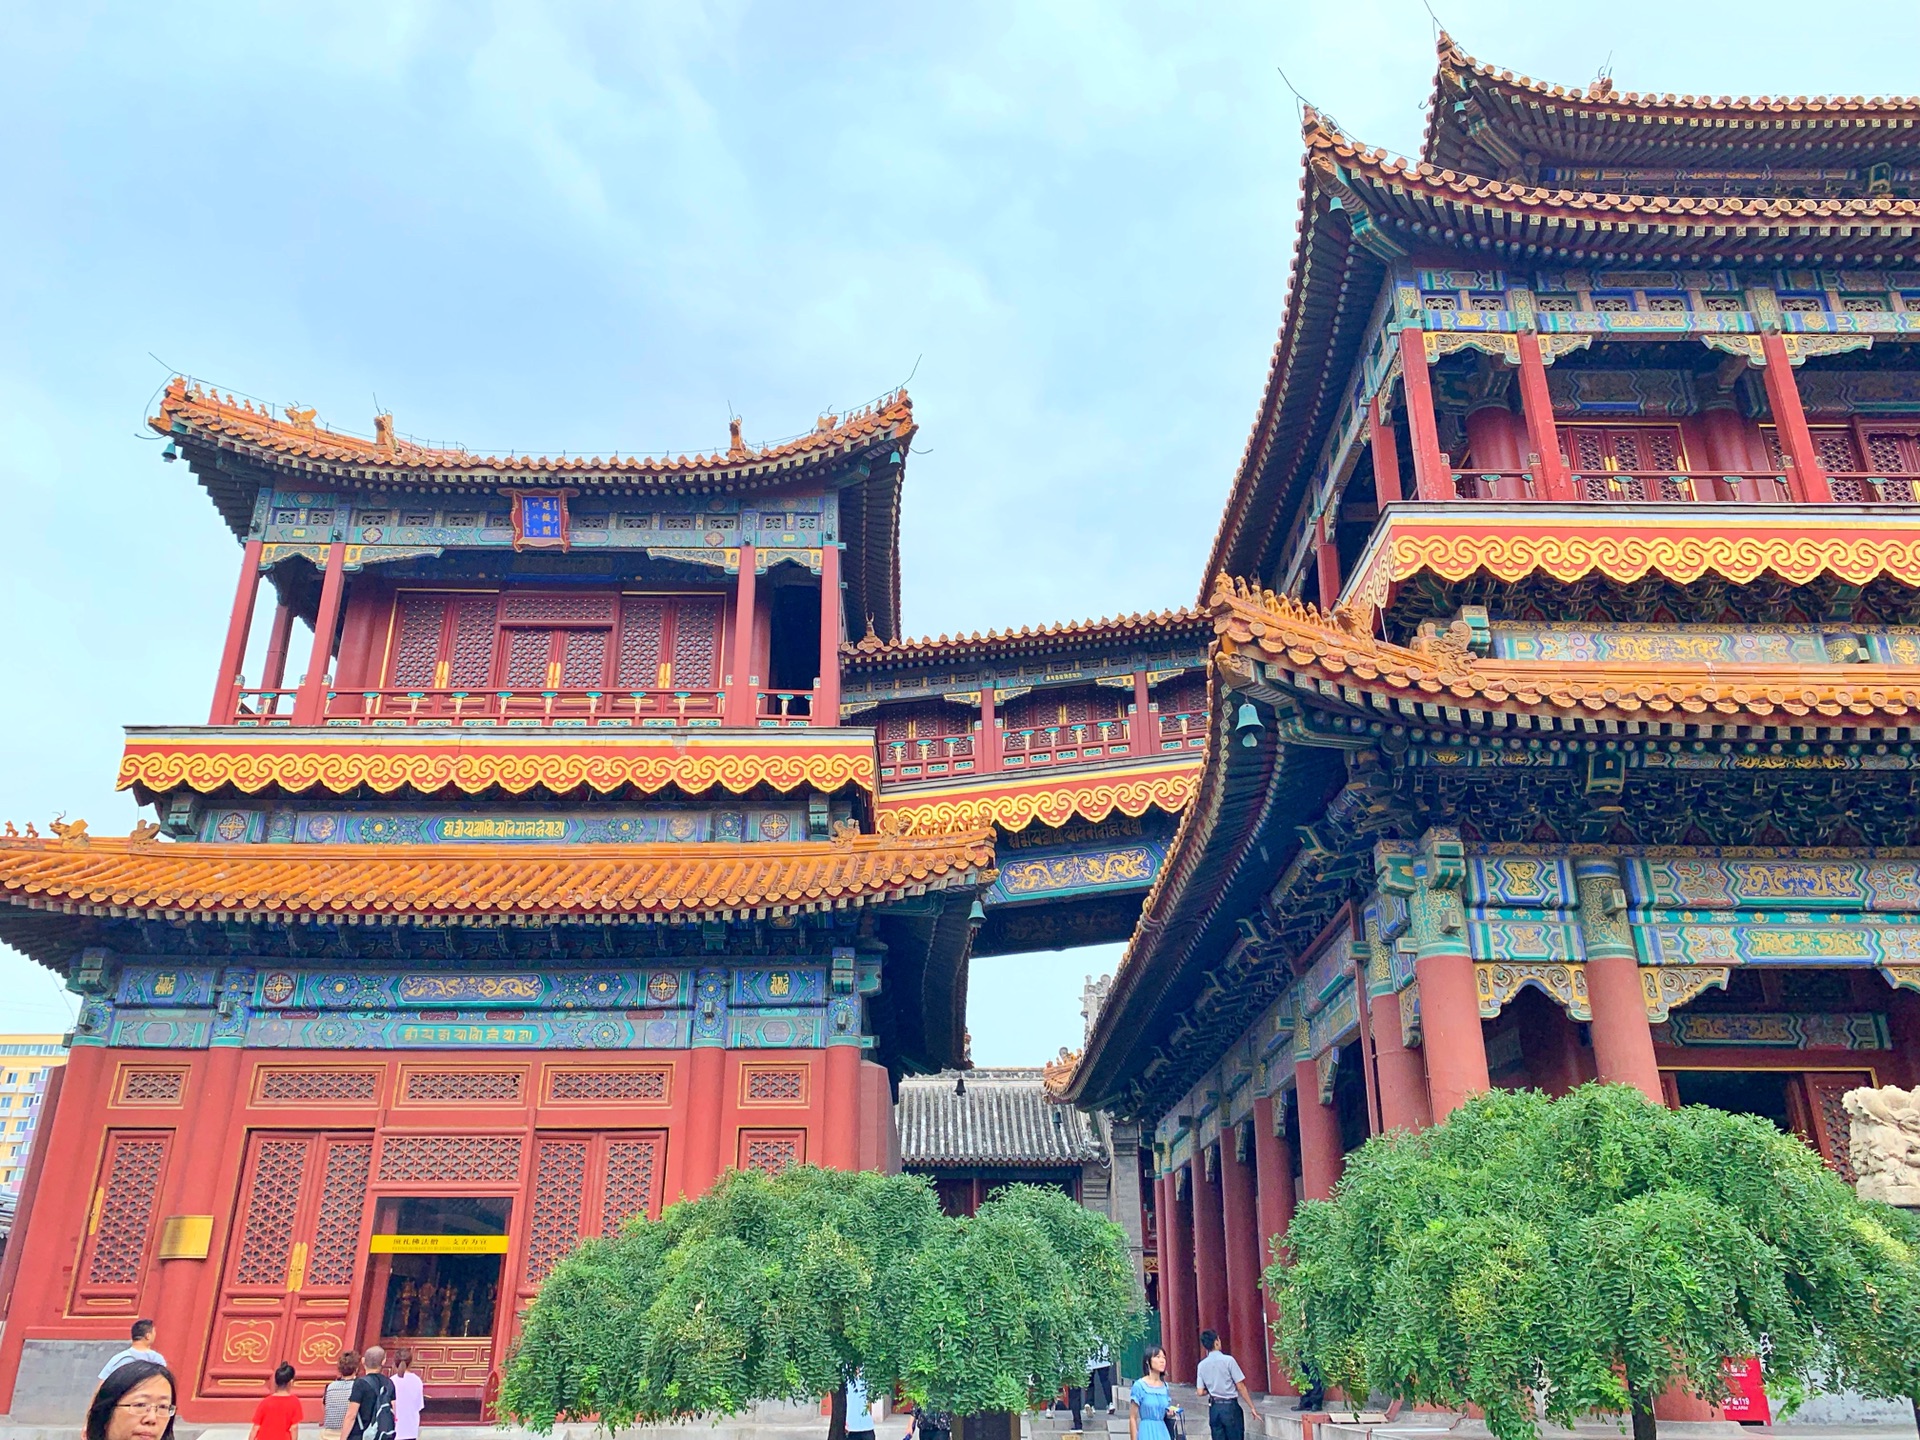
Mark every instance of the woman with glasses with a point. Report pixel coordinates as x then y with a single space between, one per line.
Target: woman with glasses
135 1402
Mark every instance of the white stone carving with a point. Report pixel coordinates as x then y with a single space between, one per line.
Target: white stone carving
1886 1143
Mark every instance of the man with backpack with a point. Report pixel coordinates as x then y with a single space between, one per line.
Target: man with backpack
371 1415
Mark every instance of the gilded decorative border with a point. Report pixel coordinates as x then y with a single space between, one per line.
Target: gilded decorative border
340 767
1628 554
1014 807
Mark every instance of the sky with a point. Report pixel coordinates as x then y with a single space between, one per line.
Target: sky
584 227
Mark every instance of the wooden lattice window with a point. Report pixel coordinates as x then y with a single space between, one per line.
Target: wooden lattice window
1833 448
1893 452
773 1085
449 1159
442 641
669 642
1603 449
632 1086
141 1086
423 1087
771 1151
633 1167
343 1196
273 1202
1832 1130
120 1222
290 1086
559 1190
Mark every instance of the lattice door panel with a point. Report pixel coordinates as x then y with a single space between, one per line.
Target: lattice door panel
583 659
1893 452
1833 448
1827 1116
121 1222
525 666
1599 449
293 1255
669 642
588 1184
442 641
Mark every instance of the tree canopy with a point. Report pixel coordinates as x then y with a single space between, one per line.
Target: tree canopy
1592 1251
777 1288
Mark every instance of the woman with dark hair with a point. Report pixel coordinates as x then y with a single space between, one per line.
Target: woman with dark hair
1152 1399
134 1402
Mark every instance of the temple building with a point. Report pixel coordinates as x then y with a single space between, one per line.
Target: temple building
1567 661
579 858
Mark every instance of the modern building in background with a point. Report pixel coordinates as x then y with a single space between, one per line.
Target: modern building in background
26 1064
1566 686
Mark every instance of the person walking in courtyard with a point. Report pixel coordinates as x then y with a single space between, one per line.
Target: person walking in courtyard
278 1416
1220 1378
134 1402
140 1349
1100 1380
409 1397
1152 1399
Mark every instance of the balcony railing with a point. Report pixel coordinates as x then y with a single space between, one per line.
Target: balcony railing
384 709
944 756
784 707
1183 730
1064 744
1646 486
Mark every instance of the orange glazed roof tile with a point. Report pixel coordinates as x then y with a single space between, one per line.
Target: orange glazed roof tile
483 882
249 423
873 652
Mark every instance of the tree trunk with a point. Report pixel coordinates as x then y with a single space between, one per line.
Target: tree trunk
837 1414
1644 1425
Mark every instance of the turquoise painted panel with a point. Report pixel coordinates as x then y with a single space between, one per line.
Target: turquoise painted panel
1551 941
1536 881
165 985
1777 944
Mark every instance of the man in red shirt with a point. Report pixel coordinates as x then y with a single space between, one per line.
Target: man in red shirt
278 1416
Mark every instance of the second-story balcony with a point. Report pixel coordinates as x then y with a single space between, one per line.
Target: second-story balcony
558 708
1684 487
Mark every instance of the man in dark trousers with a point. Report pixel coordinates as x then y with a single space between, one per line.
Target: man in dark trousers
370 1412
1220 1378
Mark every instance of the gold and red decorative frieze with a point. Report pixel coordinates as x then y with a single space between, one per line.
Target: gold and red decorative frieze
1571 542
1013 802
206 761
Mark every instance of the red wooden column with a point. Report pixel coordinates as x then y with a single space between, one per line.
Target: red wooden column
743 686
1326 561
310 705
1536 404
841 1147
233 654
1144 733
826 695
186 1289
1622 1038
1209 1252
1239 1204
986 753
1386 456
1432 479
51 1233
706 1104
1273 1172
1808 482
1321 1156
1450 1036
274 673
1178 1328
1403 1077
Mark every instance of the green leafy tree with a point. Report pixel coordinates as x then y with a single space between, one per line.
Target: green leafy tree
1589 1252
777 1289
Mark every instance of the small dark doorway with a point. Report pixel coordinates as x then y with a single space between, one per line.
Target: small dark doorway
1743 1092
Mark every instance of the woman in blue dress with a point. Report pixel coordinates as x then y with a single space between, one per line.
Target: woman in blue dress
1152 1399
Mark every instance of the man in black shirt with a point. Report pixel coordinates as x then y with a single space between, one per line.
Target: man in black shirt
371 1415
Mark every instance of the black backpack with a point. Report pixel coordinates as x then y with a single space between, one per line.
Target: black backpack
383 1425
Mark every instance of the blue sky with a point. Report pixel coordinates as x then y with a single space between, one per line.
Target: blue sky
591 227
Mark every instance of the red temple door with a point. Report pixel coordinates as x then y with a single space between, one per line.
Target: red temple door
1822 1119
587 1184
1643 457
291 1259
121 1223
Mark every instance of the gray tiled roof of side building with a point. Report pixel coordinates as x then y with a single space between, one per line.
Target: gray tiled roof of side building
1005 1118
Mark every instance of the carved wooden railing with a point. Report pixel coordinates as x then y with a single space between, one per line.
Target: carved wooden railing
385 708
1613 486
1064 744
784 707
